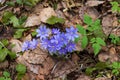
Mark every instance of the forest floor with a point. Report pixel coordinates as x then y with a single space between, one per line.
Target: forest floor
97 53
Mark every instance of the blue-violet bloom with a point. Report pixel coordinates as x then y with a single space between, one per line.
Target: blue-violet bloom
55 31
43 32
71 33
25 46
44 43
70 47
33 44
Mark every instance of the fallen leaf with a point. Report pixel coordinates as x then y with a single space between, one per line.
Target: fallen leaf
83 77
102 78
17 45
94 3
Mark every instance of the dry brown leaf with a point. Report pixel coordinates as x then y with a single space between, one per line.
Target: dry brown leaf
94 3
102 78
36 17
107 24
83 77
36 56
18 45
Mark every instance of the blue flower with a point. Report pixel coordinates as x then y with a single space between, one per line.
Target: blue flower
62 51
25 46
55 31
70 47
33 44
71 33
43 32
64 39
54 44
44 43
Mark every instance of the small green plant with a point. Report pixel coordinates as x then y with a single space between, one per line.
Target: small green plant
10 18
115 7
4 51
93 34
21 70
53 20
6 76
116 68
114 39
100 66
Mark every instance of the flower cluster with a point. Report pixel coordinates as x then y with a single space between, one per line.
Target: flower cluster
53 40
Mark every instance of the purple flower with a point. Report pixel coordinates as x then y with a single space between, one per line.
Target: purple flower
33 44
70 47
63 39
43 32
55 31
54 44
25 46
62 51
44 43
71 33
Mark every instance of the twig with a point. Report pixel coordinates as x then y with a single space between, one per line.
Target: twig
3 7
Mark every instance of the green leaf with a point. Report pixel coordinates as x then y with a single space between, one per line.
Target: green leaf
53 20
20 2
21 69
12 54
2 78
87 19
96 47
22 19
93 40
6 16
116 65
77 39
10 3
5 42
19 32
89 71
115 6
81 29
34 33
115 72
84 42
6 74
101 65
14 20
100 41
3 54
96 25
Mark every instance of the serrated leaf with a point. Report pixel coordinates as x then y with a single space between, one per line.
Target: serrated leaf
53 20
81 29
115 6
93 40
100 41
87 19
96 47
21 69
14 20
96 25
84 42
